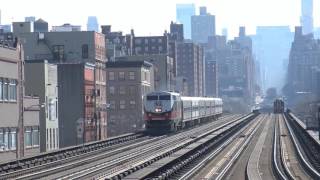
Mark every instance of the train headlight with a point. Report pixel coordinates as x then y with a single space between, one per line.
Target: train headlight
158 110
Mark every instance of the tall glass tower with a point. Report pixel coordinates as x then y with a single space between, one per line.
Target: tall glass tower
92 24
307 16
184 13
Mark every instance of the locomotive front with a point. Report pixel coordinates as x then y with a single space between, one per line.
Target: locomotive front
161 111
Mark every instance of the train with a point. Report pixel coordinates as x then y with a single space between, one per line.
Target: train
278 106
166 112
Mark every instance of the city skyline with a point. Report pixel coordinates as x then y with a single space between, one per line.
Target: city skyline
116 14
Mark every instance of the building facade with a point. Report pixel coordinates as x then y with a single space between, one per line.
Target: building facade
74 48
81 117
42 80
190 65
17 112
303 66
128 82
211 79
164 78
202 26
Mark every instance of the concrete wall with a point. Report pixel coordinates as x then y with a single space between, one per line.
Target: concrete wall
41 80
36 48
71 102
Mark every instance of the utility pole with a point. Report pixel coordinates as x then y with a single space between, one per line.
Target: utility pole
20 142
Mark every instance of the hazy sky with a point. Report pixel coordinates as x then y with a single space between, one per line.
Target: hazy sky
152 17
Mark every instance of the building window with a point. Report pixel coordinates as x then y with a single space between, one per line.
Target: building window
112 90
27 137
6 139
133 104
54 138
85 51
52 109
5 90
137 41
12 139
47 139
112 105
56 109
132 75
111 76
1 87
122 104
122 90
132 90
50 138
58 52
121 76
2 146
35 136
160 40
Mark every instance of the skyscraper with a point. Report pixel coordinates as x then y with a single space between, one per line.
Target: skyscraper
307 16
176 31
202 26
92 24
184 13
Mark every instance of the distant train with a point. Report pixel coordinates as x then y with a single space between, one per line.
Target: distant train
278 106
170 112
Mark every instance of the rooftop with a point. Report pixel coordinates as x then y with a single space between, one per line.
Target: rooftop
123 64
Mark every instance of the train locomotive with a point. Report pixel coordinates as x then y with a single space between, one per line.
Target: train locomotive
278 106
169 111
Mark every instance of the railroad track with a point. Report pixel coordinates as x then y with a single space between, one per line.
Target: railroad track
74 163
289 162
20 167
253 170
218 162
177 161
144 156
309 167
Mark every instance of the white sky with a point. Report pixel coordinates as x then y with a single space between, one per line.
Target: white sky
152 17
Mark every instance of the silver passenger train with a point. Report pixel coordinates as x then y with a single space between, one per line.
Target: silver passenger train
169 111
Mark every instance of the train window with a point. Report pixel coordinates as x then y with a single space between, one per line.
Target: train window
151 98
165 97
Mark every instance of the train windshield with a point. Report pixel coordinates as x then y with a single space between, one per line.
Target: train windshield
152 98
165 97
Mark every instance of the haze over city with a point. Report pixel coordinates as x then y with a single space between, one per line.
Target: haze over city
127 14
160 89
